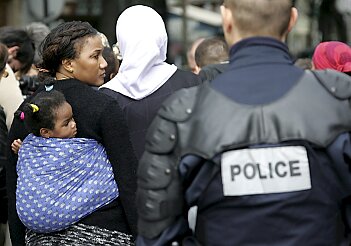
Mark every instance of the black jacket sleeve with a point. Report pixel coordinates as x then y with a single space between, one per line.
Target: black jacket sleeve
116 140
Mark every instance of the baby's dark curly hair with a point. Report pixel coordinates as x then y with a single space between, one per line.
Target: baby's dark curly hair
40 112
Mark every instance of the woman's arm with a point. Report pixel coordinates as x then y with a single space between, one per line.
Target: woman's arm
120 152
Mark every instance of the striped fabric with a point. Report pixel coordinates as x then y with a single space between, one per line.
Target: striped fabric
79 235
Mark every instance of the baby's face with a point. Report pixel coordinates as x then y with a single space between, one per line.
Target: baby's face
65 126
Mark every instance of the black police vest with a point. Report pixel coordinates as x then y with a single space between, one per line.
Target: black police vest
202 122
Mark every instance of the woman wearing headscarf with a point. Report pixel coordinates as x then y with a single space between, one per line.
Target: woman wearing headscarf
144 79
332 55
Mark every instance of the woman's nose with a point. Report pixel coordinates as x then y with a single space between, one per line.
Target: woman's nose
103 64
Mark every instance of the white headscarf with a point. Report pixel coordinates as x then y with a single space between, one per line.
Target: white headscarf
142 39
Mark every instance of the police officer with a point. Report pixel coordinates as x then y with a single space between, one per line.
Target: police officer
264 151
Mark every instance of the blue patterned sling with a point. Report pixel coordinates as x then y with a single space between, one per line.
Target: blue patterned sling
61 181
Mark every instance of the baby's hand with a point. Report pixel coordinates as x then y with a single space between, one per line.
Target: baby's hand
15 146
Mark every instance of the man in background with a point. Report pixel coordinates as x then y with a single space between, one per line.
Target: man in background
211 58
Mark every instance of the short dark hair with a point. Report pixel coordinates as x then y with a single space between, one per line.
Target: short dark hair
261 17
11 37
211 51
47 102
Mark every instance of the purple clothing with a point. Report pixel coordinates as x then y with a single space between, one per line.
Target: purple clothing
60 181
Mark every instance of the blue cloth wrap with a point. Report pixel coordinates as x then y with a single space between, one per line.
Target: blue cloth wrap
60 181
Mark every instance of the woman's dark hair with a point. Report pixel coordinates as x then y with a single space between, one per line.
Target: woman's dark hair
3 57
63 42
47 102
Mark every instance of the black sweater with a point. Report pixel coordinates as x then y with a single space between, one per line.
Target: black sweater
98 117
140 113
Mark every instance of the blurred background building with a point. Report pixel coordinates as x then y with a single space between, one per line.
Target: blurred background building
186 20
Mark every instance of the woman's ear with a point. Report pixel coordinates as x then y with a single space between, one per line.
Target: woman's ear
45 133
67 65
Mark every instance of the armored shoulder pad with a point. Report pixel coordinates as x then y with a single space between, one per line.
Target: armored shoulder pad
338 84
179 106
161 136
159 196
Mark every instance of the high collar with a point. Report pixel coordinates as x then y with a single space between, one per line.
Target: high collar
259 50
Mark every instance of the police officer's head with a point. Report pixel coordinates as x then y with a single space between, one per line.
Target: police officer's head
248 18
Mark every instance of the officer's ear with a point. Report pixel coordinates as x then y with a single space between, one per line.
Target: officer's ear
197 69
293 18
227 23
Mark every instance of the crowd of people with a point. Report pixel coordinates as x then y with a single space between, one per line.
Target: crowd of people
115 146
